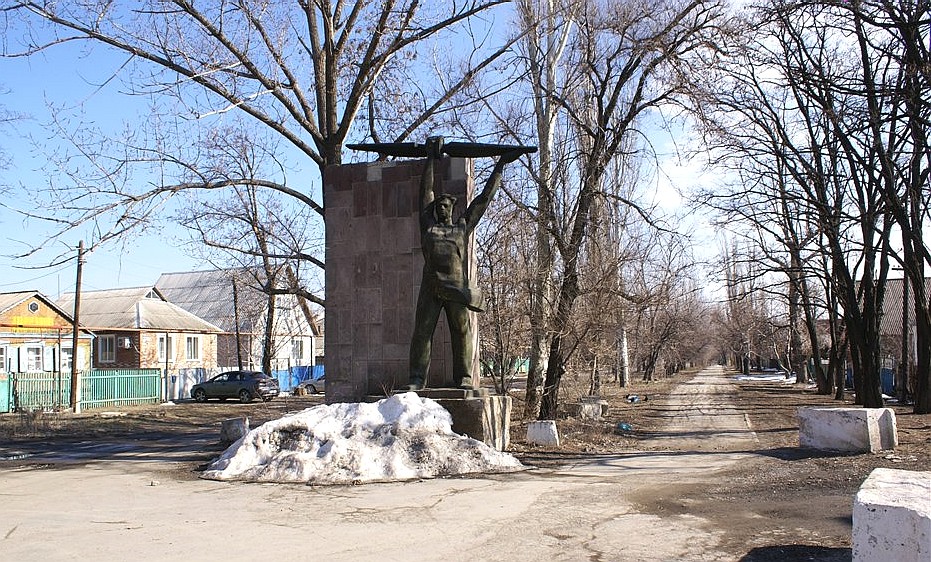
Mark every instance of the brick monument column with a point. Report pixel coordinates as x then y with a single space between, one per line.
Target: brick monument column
374 266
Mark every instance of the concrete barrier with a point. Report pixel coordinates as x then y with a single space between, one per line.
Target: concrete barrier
543 433
892 517
232 429
847 429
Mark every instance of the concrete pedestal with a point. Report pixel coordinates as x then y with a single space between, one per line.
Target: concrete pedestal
847 429
892 517
476 413
589 408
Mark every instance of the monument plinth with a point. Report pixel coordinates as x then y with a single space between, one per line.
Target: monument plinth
400 291
373 274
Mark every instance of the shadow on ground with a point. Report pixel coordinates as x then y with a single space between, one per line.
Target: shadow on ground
783 553
798 453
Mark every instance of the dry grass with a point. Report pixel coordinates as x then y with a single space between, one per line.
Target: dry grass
602 435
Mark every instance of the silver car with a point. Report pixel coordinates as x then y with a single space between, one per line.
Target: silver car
313 386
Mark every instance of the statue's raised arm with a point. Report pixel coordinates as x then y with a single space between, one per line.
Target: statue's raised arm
480 203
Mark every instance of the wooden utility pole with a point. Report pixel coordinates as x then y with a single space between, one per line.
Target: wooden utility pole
75 387
236 321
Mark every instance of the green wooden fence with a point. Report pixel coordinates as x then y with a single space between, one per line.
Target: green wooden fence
99 389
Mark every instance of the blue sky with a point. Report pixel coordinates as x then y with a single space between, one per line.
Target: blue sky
78 80
74 78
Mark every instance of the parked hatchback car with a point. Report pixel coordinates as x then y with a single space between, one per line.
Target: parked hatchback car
245 385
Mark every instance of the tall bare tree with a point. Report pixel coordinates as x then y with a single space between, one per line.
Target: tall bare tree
625 60
810 106
308 73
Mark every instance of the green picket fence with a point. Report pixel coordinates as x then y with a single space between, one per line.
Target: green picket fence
99 389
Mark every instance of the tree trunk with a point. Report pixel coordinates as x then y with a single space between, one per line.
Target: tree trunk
624 355
268 339
555 369
796 357
594 387
556 364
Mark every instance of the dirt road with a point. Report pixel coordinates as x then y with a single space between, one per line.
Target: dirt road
667 502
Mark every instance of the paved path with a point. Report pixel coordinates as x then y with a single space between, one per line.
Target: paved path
118 509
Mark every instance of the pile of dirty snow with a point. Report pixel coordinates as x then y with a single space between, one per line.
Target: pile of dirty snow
399 438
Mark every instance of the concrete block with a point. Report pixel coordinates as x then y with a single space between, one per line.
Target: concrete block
892 517
847 429
543 433
487 418
232 429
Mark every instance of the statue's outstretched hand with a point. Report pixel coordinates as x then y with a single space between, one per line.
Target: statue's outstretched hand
510 156
435 146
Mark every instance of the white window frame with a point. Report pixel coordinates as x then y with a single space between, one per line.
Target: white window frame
3 358
65 358
33 353
192 348
106 352
297 349
162 347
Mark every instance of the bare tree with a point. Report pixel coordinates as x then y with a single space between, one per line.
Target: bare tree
306 74
505 273
810 103
624 62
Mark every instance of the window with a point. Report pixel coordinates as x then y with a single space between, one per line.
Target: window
66 356
297 350
33 359
106 349
192 348
2 359
170 347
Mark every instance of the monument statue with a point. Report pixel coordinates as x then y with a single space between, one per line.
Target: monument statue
444 239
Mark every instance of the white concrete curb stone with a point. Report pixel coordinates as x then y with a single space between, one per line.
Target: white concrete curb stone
543 433
892 517
847 429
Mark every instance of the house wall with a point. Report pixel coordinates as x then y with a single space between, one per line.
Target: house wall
125 358
226 350
290 326
177 359
33 325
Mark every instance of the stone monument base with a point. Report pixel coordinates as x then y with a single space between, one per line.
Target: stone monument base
476 412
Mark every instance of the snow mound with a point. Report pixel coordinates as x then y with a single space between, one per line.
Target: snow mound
399 438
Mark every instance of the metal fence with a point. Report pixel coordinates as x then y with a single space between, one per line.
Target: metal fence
99 389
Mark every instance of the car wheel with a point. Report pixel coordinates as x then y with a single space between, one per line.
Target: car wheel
245 396
200 395
313 389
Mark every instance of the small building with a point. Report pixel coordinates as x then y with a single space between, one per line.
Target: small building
897 298
232 300
36 335
137 328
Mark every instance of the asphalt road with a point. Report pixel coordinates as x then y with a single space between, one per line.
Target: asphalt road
119 502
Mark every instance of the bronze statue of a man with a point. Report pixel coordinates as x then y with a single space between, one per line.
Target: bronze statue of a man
445 284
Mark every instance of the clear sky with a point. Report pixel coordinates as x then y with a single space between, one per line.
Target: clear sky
73 78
